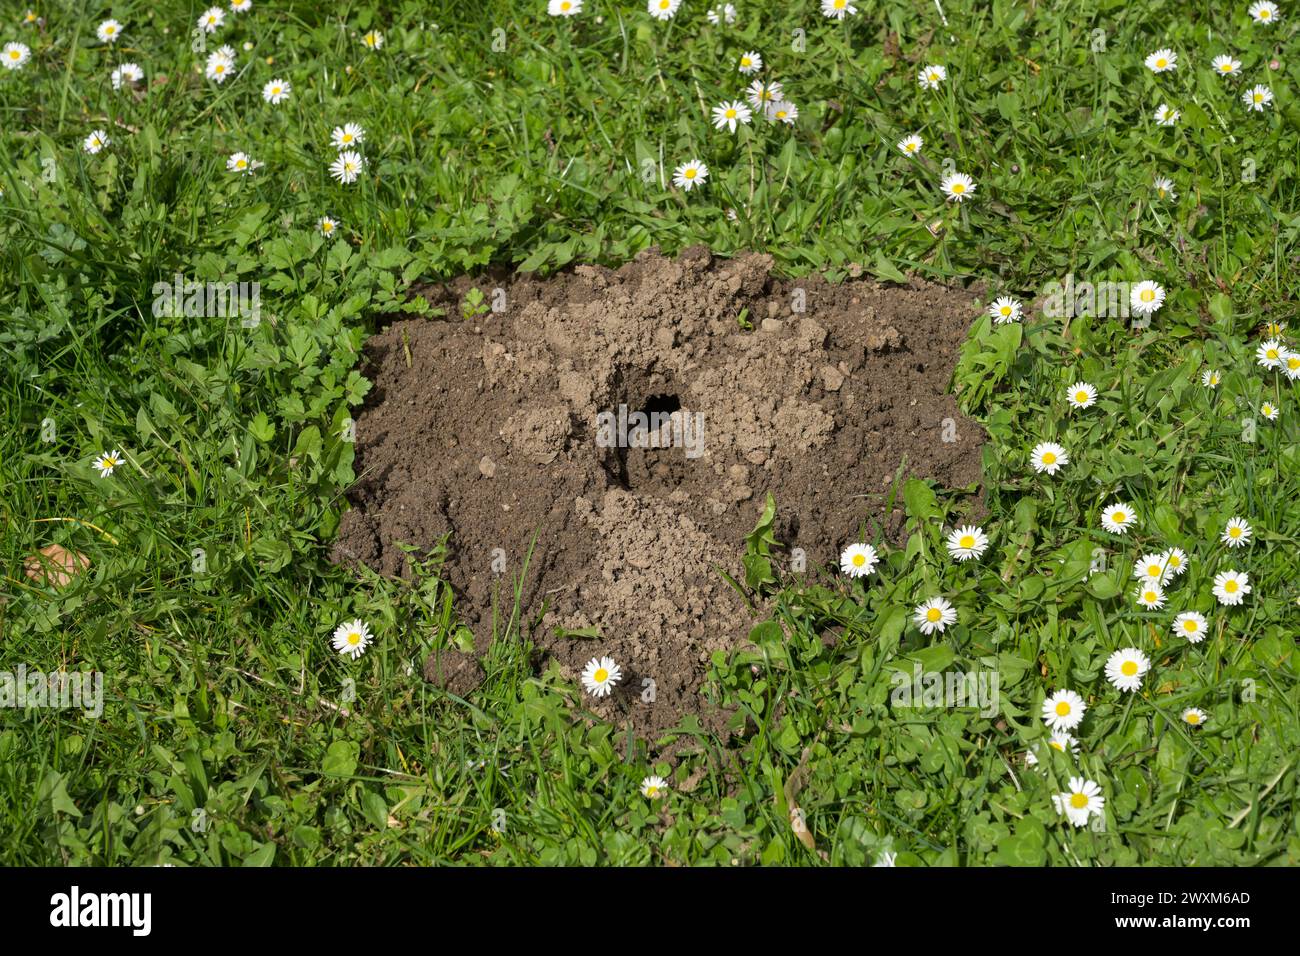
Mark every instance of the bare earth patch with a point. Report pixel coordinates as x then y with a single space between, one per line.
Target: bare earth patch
489 432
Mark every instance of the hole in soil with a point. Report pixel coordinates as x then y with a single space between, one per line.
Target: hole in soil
490 432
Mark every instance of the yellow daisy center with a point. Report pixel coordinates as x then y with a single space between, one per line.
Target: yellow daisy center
731 114
241 163
600 676
859 560
933 614
1234 532
1150 597
354 638
689 174
1190 627
1005 310
958 188
1078 800
1056 745
664 4
565 5
839 4
1265 14
1080 396
1147 295
650 791
1049 457
1063 709
1161 62
1128 668
1193 718
1259 97
967 541
14 54
1226 68
1119 517
1230 586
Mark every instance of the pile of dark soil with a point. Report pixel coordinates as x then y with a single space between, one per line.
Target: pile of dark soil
495 428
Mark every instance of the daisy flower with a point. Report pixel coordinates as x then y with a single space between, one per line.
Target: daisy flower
126 73
957 186
1060 742
107 461
1291 364
108 31
968 542
663 9
14 55
723 14
1210 378
30 17
1151 596
1191 625
1162 60
347 135
931 76
1166 115
1153 568
1269 411
1231 587
886 859
1264 12
1165 188
1064 710
95 142
1274 330
1048 457
728 115
374 40
750 62
347 167
1225 65
600 675
1118 517
351 638
911 145
838 9
327 226
760 94
1269 354
1194 716
1175 560
858 560
1081 802
783 112
1236 533
935 614
1081 395
1257 97
241 163
241 6
1125 669
1005 309
689 175
212 19
276 92
564 8
221 64
1146 297
653 787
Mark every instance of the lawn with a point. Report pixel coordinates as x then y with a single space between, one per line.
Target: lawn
497 136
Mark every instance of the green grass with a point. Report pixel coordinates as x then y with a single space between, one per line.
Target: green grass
224 738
